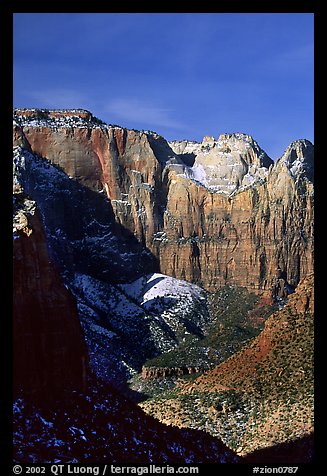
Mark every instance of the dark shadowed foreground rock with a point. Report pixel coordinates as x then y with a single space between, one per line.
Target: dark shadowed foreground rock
49 350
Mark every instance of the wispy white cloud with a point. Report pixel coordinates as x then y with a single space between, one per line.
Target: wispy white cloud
139 112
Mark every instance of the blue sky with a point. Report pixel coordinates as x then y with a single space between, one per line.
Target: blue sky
183 75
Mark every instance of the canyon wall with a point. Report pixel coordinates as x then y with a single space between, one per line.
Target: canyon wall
229 215
251 239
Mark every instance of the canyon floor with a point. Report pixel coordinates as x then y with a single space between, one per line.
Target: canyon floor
259 397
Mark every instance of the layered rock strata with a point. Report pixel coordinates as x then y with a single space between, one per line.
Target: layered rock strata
224 215
163 372
136 319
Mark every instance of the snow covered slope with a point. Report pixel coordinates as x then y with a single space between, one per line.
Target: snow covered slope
156 285
126 324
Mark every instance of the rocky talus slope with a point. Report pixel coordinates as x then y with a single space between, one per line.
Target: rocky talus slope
261 396
215 213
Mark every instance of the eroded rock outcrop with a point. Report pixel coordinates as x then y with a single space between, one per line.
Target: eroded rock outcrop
225 164
164 372
213 213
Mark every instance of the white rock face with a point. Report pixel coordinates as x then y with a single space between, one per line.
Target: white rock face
296 164
231 162
185 146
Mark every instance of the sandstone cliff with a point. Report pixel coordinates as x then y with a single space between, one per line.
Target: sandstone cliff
223 215
253 236
153 312
50 355
163 372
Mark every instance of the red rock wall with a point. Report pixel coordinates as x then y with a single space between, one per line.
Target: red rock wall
210 238
242 240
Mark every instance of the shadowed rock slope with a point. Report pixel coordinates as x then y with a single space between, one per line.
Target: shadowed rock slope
128 312
49 348
100 425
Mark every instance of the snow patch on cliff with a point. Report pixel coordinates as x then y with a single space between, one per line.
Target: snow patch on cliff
158 286
105 297
155 312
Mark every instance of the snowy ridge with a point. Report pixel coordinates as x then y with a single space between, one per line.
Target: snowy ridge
158 285
155 313
227 165
57 122
299 159
67 118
